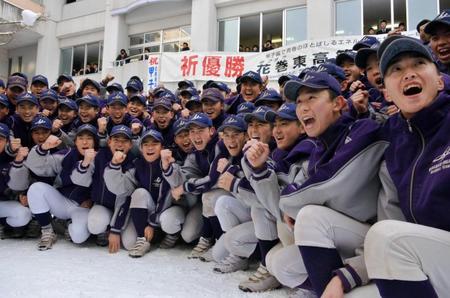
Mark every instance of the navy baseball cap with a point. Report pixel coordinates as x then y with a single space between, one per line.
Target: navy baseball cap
251 76
2 84
192 102
284 78
140 98
245 108
270 95
114 87
185 84
363 55
64 78
89 99
191 91
365 42
27 97
305 71
286 111
118 97
220 85
235 122
314 80
89 128
332 69
152 133
121 130
200 119
164 102
158 90
443 19
64 101
259 114
4 100
347 55
21 74
41 122
212 94
48 94
39 79
135 85
392 47
17 81
421 23
90 82
4 130
179 126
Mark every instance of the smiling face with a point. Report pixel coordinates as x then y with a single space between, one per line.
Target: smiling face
151 149
440 44
259 130
37 88
90 89
373 72
317 110
85 140
135 108
412 83
39 135
212 108
250 90
286 132
66 115
86 112
352 72
183 141
119 143
116 112
48 104
234 140
200 136
27 111
162 117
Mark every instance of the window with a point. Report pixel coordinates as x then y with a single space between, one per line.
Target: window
19 64
443 5
10 61
249 33
81 59
419 10
273 29
228 35
346 25
295 25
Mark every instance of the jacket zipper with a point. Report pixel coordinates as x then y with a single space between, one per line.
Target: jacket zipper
422 139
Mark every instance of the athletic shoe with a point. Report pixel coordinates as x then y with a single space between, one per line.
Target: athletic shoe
48 237
33 229
140 248
169 240
260 281
231 263
302 293
203 245
66 231
102 239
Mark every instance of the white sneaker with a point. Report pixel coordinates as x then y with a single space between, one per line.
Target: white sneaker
48 237
169 241
232 263
260 281
140 248
203 245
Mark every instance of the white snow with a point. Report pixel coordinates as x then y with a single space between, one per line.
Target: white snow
69 270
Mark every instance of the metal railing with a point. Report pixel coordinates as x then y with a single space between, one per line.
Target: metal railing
131 59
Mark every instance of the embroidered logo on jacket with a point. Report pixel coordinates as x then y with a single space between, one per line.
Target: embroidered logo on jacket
441 162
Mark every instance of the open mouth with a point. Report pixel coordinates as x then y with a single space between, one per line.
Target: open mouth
379 81
256 138
308 121
198 143
119 150
444 51
412 90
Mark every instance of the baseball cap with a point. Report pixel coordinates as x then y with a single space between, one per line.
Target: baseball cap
284 78
151 133
252 76
21 74
118 97
443 19
41 122
365 42
64 78
140 98
64 101
40 79
235 122
424 21
192 102
179 126
92 100
89 128
135 85
212 94
314 80
191 91
164 102
305 71
114 87
4 100
121 129
27 97
90 82
185 84
199 119
286 111
259 113
17 81
363 55
347 55
332 69
268 95
220 85
4 130
245 107
48 94
391 48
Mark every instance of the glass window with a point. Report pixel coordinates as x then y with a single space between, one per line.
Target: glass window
152 49
249 33
100 60
137 39
443 5
375 12
273 29
92 57
171 47
78 60
82 59
19 64
152 37
135 51
419 10
9 66
400 14
66 61
185 32
295 25
346 25
171 34
228 35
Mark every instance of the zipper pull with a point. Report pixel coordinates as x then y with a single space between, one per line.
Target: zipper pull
409 126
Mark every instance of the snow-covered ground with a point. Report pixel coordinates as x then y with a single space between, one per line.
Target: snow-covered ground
68 270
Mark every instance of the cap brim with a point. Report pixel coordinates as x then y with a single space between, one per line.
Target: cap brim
432 26
223 127
117 101
40 126
189 104
121 133
27 100
272 115
163 106
17 85
86 101
342 57
250 116
243 79
197 123
39 81
362 56
87 130
150 136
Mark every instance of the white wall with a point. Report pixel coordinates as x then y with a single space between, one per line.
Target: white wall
230 8
28 55
3 64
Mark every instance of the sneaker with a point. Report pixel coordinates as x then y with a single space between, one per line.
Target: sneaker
207 256
260 281
203 245
33 229
302 293
66 231
140 248
169 241
231 264
59 226
102 239
48 237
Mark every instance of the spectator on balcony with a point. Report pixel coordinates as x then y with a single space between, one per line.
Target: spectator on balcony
255 48
371 31
267 46
383 27
185 47
123 57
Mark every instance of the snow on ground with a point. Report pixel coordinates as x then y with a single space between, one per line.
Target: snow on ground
68 270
